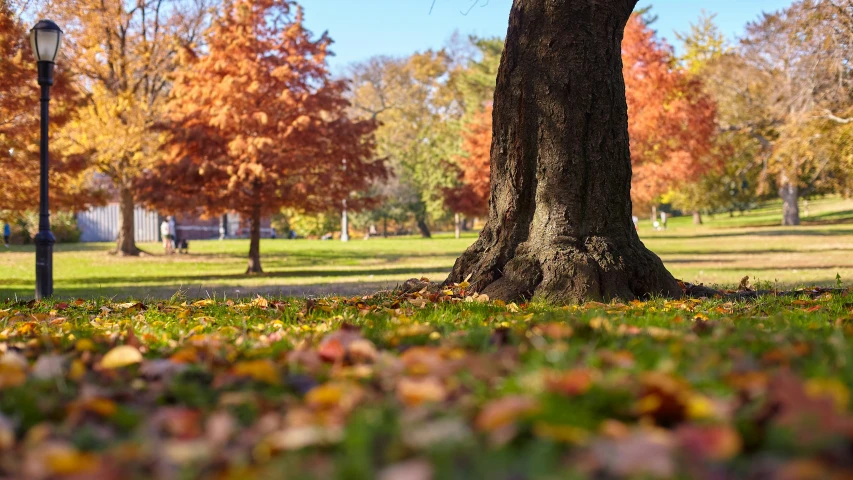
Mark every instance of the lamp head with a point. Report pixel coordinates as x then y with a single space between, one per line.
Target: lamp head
45 39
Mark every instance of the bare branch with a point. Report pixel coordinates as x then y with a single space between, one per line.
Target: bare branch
829 116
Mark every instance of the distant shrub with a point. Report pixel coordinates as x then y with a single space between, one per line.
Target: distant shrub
62 224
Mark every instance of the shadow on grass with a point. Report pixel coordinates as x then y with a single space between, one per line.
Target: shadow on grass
150 293
787 232
406 272
691 260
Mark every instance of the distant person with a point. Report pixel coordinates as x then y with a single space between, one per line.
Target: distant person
173 232
636 222
7 233
292 235
663 220
167 237
272 234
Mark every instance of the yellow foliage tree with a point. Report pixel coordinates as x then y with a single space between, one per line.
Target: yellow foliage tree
123 53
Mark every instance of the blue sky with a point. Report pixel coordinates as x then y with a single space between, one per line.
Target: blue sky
364 28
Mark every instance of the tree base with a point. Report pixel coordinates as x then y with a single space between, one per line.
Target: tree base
598 270
134 252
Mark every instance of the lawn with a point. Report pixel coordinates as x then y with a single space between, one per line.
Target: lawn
429 384
720 252
419 387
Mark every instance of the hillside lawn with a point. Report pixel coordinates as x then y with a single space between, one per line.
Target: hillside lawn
720 252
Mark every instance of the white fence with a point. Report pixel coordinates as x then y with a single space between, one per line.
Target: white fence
100 224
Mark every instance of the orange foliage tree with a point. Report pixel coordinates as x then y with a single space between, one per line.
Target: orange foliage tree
256 124
19 127
671 122
471 196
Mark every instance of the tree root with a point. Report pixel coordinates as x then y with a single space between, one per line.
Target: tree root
567 271
137 252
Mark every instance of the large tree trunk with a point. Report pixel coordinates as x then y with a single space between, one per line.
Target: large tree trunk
790 194
255 242
697 217
126 242
559 224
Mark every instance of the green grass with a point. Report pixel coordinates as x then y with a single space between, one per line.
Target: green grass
440 388
720 252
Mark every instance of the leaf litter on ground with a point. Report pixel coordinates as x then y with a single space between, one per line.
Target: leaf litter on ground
428 382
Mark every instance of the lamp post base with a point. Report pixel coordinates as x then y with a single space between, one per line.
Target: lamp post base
44 241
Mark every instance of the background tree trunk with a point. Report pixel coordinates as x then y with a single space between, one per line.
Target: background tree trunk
458 224
559 224
126 241
422 226
697 218
790 194
255 242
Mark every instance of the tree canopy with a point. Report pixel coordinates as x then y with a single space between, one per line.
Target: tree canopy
256 124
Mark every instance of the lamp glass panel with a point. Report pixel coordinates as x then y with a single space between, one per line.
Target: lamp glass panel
33 43
48 44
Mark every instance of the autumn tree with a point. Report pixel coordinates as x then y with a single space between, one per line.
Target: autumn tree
19 126
671 121
790 89
474 84
471 194
123 53
559 224
419 123
703 45
256 124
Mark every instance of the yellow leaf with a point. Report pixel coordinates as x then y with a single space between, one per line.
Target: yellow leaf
260 301
67 461
829 388
562 433
258 370
121 356
324 396
77 370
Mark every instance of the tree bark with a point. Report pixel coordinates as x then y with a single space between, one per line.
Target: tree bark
697 218
255 242
559 224
126 241
790 194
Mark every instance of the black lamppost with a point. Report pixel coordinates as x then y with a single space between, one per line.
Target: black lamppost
45 38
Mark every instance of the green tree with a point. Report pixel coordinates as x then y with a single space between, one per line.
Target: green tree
419 115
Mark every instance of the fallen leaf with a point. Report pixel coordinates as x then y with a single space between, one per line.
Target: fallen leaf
259 370
121 356
504 411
